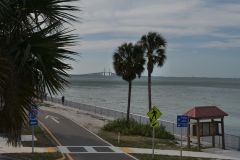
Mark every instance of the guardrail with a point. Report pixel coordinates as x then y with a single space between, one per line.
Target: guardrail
231 141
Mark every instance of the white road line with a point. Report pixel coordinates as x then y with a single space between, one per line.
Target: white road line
89 149
55 119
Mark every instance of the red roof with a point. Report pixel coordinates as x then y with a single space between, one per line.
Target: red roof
205 112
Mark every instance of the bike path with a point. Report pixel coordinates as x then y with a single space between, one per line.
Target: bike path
77 141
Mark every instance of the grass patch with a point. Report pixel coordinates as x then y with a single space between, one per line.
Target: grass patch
162 157
137 141
35 156
134 128
43 138
142 142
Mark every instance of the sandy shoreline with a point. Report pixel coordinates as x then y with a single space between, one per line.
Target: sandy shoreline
93 122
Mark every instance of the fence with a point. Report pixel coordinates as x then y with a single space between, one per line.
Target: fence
231 141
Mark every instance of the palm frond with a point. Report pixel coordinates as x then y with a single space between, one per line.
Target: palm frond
33 50
128 61
154 45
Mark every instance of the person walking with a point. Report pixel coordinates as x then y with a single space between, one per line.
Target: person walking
63 99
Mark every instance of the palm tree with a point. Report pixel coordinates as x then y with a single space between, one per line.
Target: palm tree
33 41
128 62
154 46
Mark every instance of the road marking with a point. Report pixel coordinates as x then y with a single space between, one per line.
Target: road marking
89 149
55 119
56 140
93 133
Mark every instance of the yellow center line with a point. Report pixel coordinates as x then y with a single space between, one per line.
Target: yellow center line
56 140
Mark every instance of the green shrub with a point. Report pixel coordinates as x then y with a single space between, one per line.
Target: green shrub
134 128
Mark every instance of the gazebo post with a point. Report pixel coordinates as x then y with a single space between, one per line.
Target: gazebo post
188 134
223 137
203 113
213 132
198 133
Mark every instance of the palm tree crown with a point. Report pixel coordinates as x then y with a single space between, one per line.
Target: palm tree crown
154 46
128 62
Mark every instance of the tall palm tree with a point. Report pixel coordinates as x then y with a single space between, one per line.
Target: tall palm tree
33 41
128 62
154 45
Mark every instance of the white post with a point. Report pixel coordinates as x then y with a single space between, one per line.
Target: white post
32 139
118 137
153 142
181 145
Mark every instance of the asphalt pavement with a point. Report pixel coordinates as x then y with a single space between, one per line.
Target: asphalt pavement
77 141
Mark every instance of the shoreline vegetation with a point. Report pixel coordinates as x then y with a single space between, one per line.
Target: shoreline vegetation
134 128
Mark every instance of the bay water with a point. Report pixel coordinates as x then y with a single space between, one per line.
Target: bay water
171 95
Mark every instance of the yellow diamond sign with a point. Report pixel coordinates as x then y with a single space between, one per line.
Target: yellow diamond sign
154 124
154 114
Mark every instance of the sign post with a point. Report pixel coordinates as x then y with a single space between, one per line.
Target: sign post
153 142
182 121
181 145
33 122
153 115
32 139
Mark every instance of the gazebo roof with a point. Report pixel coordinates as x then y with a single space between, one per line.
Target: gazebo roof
205 112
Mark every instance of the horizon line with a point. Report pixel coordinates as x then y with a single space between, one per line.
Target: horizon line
85 74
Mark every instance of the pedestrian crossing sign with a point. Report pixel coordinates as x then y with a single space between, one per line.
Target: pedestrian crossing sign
154 114
154 124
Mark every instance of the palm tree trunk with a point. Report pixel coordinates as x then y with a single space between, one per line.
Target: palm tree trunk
129 99
149 91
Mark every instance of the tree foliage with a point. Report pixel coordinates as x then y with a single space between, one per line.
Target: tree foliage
128 62
33 41
154 46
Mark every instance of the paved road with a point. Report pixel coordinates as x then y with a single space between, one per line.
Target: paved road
77 141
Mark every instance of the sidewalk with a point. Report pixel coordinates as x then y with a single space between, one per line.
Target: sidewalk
9 149
233 155
5 148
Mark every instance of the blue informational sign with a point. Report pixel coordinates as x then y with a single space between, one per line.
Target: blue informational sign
33 122
32 115
182 121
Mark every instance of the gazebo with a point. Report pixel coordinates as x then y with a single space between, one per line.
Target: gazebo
204 121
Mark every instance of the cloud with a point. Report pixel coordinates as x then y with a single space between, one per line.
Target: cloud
189 26
233 43
169 17
103 44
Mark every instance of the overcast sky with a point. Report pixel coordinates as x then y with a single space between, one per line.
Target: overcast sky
203 36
